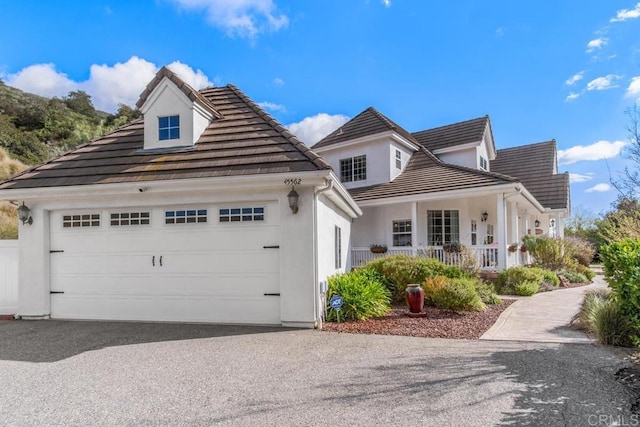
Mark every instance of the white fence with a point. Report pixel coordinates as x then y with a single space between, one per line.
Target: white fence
486 257
8 276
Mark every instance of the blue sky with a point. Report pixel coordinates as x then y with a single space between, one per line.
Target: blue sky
565 70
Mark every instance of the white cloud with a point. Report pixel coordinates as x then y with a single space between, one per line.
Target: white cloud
571 96
312 129
574 79
243 18
121 83
603 83
386 3
577 177
624 14
598 188
278 81
272 106
634 87
597 151
596 44
42 79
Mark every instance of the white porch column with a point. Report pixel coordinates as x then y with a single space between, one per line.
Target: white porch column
514 224
414 227
501 232
559 228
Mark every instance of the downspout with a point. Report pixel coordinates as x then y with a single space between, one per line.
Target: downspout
316 291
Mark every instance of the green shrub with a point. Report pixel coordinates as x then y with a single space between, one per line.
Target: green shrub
458 295
610 325
487 293
622 271
581 269
551 278
433 285
364 295
591 303
520 280
400 270
526 289
572 276
548 252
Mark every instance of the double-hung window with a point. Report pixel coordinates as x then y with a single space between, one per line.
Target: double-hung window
484 165
168 127
398 159
353 169
402 232
474 232
489 234
443 226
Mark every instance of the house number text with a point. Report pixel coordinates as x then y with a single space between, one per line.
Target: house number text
292 181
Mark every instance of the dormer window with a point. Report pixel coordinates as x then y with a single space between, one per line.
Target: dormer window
353 169
168 127
398 159
484 165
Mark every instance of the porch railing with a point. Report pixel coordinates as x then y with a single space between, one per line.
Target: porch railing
485 257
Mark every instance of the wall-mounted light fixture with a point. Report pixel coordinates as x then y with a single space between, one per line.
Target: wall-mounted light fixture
552 223
484 216
24 214
293 200
537 223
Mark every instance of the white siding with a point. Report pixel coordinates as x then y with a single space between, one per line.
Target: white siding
8 276
405 155
467 157
378 165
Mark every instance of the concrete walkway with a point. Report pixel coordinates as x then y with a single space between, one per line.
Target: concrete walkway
543 317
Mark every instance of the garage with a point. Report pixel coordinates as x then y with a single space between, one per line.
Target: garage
196 263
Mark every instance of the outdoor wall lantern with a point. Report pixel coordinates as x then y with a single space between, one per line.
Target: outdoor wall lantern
485 216
537 223
24 214
293 200
552 223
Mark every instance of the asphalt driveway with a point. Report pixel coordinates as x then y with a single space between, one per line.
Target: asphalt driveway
103 373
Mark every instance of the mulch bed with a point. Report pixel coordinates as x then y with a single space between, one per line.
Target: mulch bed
438 323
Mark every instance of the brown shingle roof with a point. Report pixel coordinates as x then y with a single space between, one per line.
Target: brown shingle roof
453 134
426 174
368 122
534 166
245 141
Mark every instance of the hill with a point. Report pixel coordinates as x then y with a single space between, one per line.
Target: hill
34 129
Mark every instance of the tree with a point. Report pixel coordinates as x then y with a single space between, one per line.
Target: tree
629 184
621 223
80 102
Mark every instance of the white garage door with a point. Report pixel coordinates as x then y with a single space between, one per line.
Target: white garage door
187 263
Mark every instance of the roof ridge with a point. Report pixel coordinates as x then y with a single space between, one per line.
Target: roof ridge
551 141
190 92
286 133
485 117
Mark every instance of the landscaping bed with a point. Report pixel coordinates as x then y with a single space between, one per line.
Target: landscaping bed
438 323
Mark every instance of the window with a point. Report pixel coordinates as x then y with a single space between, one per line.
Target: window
241 214
353 169
338 249
185 216
130 218
484 164
489 234
402 233
443 227
168 127
474 232
80 221
398 159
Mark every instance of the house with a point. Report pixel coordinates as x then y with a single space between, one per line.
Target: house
420 192
204 210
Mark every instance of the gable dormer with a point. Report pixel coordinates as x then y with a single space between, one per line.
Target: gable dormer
469 143
367 150
175 114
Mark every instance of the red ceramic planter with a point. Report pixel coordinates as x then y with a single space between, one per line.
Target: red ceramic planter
415 298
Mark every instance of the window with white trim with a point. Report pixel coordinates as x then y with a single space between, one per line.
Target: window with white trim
484 165
186 216
489 234
401 232
474 232
443 226
81 221
246 214
398 159
168 127
129 218
353 169
338 248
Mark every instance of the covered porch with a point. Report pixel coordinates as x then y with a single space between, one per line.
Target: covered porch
489 224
